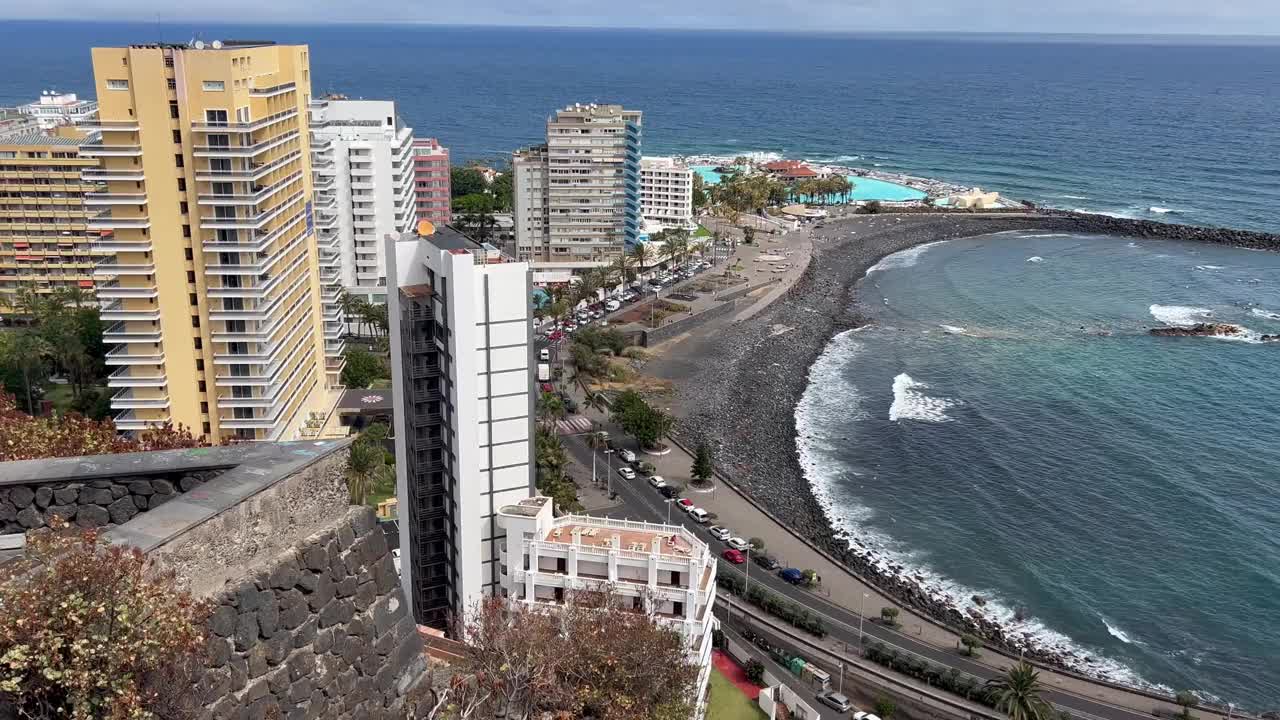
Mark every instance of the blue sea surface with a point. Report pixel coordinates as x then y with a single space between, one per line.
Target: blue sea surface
1007 427
1136 127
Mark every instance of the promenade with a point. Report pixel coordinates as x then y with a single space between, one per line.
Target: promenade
843 598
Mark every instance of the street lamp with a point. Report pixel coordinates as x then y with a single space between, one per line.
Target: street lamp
746 586
862 615
669 502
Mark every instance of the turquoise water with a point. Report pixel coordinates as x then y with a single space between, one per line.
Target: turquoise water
1006 426
863 188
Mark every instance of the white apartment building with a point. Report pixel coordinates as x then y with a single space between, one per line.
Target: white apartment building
666 194
461 361
663 569
362 162
577 198
55 108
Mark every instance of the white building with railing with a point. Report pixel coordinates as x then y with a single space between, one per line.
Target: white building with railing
663 570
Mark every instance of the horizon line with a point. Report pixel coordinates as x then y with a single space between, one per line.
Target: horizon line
549 26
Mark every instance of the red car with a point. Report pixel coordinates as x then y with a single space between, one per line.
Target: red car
686 502
733 556
555 335
548 387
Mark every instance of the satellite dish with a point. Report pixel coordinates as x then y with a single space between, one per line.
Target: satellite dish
199 44
217 44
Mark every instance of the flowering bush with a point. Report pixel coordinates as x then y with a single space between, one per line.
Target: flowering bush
93 630
23 437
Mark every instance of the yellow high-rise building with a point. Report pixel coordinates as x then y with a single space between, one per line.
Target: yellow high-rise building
45 244
216 303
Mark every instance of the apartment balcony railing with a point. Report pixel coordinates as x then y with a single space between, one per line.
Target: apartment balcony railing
114 290
126 355
116 312
104 149
110 198
134 376
109 174
111 267
128 398
254 171
221 127
244 151
131 420
273 90
260 193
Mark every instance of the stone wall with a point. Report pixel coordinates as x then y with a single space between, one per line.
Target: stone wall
105 502
683 325
323 632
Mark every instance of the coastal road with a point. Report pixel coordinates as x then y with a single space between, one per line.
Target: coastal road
640 501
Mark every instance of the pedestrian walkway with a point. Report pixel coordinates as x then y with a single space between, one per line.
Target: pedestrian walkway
573 425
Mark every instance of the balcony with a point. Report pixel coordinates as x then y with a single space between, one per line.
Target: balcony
249 222
243 151
116 312
133 376
111 243
103 149
253 172
110 174
110 198
130 420
112 267
110 125
273 90
424 369
130 399
106 222
123 356
259 194
254 245
121 333
259 333
115 291
221 127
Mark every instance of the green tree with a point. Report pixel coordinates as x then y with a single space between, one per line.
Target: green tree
550 409
703 467
754 669
757 544
362 368
748 235
1017 694
884 708
473 215
873 208
889 616
971 644
366 465
1187 700
25 354
503 191
700 196
642 256
466 181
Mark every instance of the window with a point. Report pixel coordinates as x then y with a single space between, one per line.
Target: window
214 85
200 364
202 386
173 109
182 182
195 321
204 408
171 84
117 84
191 276
199 344
191 297
205 425
177 137
186 233
215 117
187 253
183 207
177 160
168 62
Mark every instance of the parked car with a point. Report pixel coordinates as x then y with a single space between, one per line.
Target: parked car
699 515
685 504
835 701
737 543
612 305
544 354
768 562
733 556
627 473
719 532
555 335
861 715
668 492
792 575
627 456
657 481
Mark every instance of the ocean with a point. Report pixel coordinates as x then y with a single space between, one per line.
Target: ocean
1175 129
1006 427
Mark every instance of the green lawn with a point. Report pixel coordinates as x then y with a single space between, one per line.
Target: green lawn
59 395
702 232
727 702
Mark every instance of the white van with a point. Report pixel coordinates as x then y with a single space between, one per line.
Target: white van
612 305
544 354
699 515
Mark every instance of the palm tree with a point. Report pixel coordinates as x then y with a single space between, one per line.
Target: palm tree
677 246
347 305
550 409
597 401
1017 694
642 254
29 352
365 464
588 286
621 269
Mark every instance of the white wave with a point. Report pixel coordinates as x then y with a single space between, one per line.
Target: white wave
1117 633
1160 210
877 164
1245 335
1259 312
904 258
1035 259
1180 314
1073 197
952 329
1210 267
1133 245
1108 213
911 403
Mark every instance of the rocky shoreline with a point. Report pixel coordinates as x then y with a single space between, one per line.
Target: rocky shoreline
738 389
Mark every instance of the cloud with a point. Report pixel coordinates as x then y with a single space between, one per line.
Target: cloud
1072 16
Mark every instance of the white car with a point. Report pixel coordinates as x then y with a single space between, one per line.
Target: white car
627 456
861 715
657 481
544 354
699 515
720 533
627 473
612 305
737 543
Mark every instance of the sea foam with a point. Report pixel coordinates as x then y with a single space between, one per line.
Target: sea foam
910 402
1267 314
1161 210
1180 314
1035 259
904 258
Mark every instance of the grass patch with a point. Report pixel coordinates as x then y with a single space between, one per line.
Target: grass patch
727 702
702 232
381 490
59 395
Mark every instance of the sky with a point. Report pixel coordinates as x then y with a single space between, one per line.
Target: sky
1197 17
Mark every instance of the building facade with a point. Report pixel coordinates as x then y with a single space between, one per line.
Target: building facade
666 194
461 361
211 292
431 181
54 108
577 198
363 156
45 209
14 122
664 570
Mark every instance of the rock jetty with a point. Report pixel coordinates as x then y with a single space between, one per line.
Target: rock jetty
1200 330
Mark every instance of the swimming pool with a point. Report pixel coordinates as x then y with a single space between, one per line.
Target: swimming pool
863 188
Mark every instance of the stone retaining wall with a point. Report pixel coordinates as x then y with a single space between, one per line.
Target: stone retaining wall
104 502
323 632
670 330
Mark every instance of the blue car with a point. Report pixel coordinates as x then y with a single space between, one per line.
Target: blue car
792 575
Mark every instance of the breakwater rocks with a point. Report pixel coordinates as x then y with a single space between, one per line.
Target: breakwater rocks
737 389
